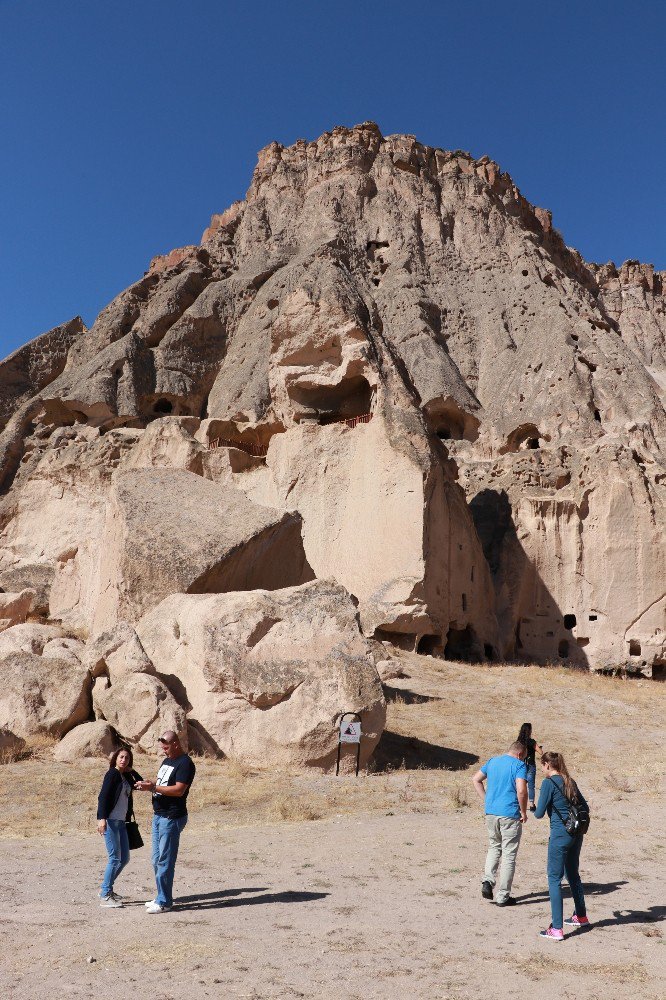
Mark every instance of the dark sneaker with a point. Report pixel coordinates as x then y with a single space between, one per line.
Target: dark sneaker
509 901
486 890
532 808
577 921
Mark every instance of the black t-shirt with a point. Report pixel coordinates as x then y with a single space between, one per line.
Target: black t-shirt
179 769
531 752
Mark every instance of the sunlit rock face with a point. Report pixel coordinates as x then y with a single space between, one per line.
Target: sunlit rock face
382 369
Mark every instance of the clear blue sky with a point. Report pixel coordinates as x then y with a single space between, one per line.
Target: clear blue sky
125 125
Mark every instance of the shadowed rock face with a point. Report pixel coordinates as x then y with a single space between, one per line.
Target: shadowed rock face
383 368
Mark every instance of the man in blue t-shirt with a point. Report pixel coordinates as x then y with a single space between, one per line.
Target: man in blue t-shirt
505 799
174 778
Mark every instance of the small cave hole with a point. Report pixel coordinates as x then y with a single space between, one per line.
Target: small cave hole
634 647
524 273
429 645
597 416
583 641
489 651
569 621
592 618
464 602
574 337
532 443
163 406
272 303
563 648
444 434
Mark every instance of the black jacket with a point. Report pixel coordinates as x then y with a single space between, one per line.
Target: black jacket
110 792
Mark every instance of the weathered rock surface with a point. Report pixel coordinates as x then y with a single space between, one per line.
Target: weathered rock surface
266 675
384 368
15 608
140 708
42 694
91 739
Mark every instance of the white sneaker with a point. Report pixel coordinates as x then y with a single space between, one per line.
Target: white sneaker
156 908
110 902
151 902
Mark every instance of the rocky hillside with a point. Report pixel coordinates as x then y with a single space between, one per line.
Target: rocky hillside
381 402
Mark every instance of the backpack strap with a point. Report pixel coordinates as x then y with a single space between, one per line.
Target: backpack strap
564 821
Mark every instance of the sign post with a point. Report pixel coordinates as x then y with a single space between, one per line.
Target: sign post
349 731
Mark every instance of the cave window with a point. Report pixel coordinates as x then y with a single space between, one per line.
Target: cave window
533 443
634 647
472 575
163 406
525 273
444 434
563 648
464 602
597 416
593 618
569 621
658 672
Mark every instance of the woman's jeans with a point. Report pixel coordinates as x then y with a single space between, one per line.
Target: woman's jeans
531 781
166 838
563 858
117 845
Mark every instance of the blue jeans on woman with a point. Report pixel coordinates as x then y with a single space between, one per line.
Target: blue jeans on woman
166 838
531 781
117 845
563 858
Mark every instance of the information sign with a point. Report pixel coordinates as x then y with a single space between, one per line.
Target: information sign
350 732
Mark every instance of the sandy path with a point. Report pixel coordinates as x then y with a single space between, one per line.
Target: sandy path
359 907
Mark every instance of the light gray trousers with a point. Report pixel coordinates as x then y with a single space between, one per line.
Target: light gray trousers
503 841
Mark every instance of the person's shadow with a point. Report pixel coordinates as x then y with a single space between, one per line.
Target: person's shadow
230 897
652 915
591 889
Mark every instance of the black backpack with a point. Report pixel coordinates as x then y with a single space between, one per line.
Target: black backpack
578 820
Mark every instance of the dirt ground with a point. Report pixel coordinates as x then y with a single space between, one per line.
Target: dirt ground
312 886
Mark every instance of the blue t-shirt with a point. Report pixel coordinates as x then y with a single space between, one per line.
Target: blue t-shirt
501 796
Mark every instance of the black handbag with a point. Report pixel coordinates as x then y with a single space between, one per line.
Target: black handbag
133 833
578 820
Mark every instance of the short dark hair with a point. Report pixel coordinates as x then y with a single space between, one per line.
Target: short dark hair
113 757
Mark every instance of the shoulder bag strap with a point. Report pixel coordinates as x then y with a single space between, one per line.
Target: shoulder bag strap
553 801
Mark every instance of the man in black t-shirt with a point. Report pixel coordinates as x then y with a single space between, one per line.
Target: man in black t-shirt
170 791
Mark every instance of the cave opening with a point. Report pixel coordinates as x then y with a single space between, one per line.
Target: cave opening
634 647
569 621
430 645
461 644
163 406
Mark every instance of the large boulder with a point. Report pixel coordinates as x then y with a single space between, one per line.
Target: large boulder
268 674
139 708
41 694
90 739
171 531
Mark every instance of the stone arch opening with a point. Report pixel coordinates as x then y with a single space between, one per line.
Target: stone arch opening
430 645
353 397
163 406
526 437
449 422
462 644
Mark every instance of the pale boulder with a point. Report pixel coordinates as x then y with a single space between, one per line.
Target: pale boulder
116 652
41 694
15 608
170 531
268 674
139 708
91 739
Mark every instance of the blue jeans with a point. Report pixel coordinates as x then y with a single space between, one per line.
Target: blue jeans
166 837
563 858
117 845
531 781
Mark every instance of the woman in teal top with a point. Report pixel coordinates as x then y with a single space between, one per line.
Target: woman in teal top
558 790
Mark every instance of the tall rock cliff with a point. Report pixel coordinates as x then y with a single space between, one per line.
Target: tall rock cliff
383 368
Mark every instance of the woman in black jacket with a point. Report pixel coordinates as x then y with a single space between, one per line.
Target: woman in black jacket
114 808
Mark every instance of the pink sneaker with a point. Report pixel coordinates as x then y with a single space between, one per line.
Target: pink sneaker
552 934
577 921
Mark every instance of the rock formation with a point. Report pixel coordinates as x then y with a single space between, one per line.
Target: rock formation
382 372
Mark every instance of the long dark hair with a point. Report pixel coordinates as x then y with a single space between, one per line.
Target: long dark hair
556 761
113 757
525 734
